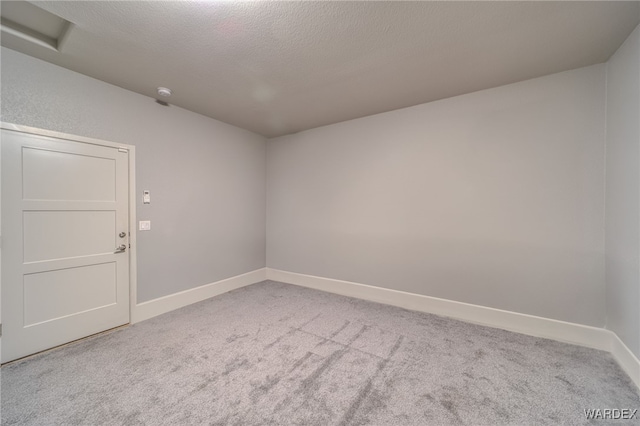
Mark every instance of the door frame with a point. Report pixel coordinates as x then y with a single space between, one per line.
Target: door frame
133 283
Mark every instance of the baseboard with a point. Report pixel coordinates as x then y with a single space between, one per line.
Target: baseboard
627 360
577 334
161 305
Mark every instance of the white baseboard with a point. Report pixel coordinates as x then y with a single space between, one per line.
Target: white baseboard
627 360
577 334
522 323
161 305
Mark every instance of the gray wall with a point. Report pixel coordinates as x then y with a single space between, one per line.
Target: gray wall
206 178
623 193
494 198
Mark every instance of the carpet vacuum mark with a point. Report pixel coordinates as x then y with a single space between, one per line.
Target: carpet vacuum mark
277 354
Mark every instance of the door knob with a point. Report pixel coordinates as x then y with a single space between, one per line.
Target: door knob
122 234
121 248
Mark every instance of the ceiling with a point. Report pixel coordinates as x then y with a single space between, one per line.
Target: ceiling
282 67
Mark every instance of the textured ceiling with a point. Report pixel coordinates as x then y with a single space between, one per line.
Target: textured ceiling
282 67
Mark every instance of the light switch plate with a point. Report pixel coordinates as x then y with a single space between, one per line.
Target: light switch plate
145 225
146 197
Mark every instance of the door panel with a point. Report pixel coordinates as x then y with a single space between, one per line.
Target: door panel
64 206
51 175
84 287
83 232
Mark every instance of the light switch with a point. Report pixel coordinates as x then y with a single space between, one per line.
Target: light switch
146 197
145 225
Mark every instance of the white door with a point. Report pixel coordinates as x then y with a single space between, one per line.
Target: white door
65 240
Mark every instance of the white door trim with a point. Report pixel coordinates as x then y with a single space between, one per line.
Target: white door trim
133 283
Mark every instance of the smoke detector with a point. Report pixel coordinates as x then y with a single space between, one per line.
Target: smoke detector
164 92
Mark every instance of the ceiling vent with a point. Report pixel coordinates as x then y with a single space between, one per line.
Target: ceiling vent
22 21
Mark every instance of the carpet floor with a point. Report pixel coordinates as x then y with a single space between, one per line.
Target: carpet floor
277 354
